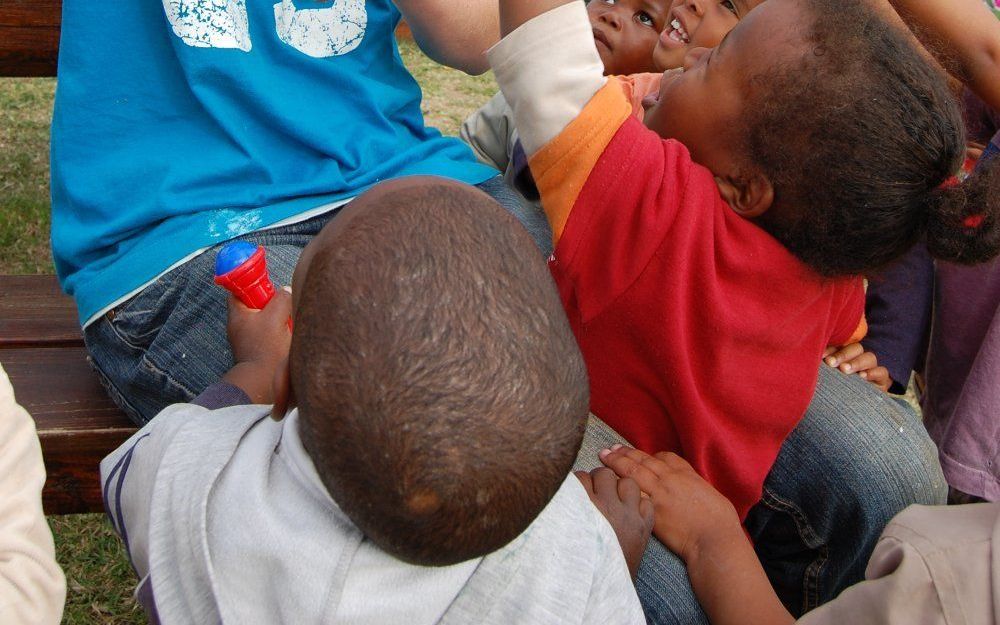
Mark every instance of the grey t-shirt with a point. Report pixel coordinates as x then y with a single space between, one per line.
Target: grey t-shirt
226 520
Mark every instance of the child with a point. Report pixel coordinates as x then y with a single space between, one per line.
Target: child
632 37
32 586
933 564
441 400
703 277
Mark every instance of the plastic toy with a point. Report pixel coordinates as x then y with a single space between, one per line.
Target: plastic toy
241 268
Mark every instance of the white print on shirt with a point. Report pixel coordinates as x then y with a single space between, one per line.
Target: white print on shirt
330 31
210 23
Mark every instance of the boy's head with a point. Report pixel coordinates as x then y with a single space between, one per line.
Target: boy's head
696 24
825 125
626 31
442 396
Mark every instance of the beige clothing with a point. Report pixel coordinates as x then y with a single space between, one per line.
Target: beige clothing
932 565
32 586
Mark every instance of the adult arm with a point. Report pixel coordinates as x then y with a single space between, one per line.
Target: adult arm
453 34
32 586
964 36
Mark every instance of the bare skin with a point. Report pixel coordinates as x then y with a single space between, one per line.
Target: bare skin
700 525
627 511
853 358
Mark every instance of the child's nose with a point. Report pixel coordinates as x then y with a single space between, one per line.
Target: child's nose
696 6
612 17
693 56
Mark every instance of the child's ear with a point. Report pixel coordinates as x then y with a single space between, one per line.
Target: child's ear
749 195
281 387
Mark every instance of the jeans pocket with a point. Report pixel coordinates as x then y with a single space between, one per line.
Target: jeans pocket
138 320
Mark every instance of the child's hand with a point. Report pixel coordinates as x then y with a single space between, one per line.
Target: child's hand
260 341
621 503
689 513
854 359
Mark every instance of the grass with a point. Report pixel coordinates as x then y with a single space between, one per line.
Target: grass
99 578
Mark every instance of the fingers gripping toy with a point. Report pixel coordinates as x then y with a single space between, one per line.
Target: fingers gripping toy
241 268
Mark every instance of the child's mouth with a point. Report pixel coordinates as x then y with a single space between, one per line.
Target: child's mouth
676 34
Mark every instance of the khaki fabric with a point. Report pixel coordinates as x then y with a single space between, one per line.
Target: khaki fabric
932 565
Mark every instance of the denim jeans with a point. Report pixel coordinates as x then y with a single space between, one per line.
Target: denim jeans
856 459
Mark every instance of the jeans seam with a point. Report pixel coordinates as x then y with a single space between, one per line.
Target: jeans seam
155 369
813 572
116 395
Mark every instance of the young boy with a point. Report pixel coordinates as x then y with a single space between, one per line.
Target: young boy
934 565
423 476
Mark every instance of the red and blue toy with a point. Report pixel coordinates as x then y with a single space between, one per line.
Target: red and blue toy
241 268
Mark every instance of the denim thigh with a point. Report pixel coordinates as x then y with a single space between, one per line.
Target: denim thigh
857 458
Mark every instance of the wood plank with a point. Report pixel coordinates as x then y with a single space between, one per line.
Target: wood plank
35 312
77 422
30 13
28 50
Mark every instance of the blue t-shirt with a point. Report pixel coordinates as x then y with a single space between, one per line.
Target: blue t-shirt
183 123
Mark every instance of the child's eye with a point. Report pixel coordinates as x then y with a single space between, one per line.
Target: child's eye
644 19
608 1
729 6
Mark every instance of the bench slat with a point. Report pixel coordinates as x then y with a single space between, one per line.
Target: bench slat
29 37
35 313
77 422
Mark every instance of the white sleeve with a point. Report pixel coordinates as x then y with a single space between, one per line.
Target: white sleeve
32 586
127 477
548 69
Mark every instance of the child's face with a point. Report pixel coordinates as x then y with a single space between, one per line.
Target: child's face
626 31
695 24
702 106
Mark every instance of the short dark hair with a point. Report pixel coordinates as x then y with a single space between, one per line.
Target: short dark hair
441 392
857 137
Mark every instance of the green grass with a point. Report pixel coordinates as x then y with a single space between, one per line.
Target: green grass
99 578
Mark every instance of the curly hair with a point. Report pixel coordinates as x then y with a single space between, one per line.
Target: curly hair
858 137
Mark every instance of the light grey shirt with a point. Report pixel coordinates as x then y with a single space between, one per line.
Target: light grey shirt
226 520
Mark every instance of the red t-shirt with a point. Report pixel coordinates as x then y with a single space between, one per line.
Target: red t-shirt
702 334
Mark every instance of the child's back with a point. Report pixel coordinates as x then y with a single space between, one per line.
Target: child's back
441 400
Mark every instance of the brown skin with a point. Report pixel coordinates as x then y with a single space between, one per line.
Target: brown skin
706 22
700 525
627 511
625 32
260 340
853 358
704 105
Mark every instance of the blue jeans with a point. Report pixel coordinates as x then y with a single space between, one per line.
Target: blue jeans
856 459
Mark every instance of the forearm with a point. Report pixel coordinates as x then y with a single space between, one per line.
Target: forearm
456 35
731 585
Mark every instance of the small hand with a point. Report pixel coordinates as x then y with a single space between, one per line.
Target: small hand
628 512
854 359
260 341
689 512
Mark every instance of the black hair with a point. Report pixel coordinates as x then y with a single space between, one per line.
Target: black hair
857 137
441 392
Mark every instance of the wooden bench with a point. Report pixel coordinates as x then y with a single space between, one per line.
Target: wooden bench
41 347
